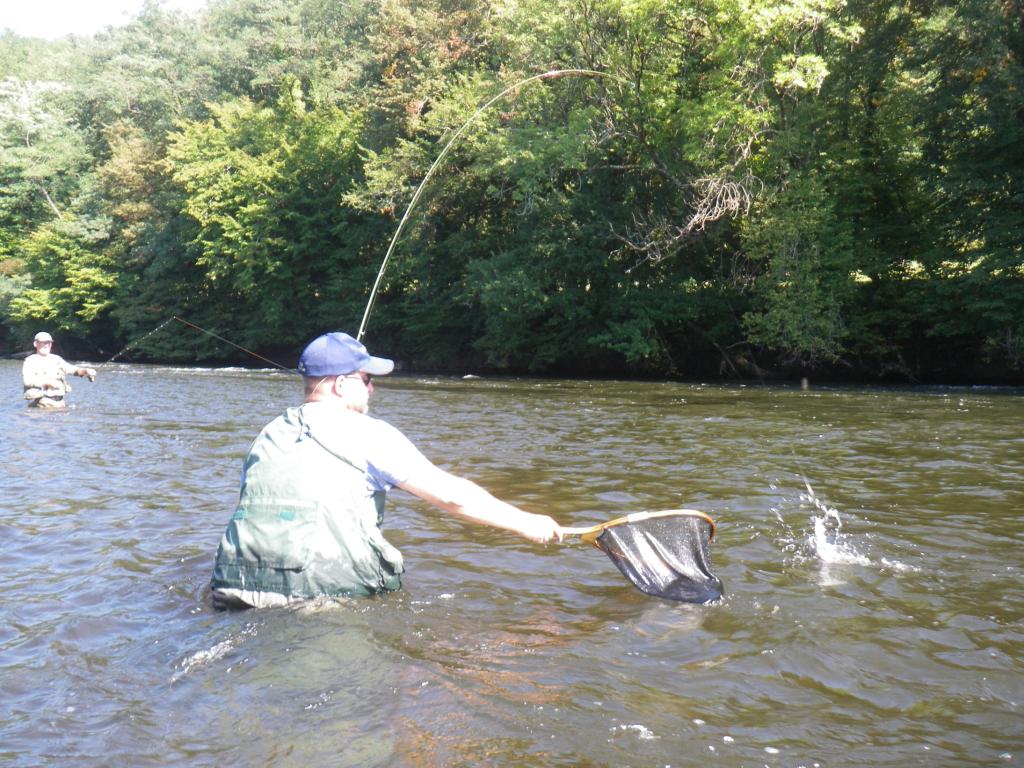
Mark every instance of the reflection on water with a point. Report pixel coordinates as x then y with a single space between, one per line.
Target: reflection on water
869 541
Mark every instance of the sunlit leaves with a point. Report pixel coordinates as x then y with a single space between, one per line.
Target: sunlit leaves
264 185
41 154
73 282
820 182
800 73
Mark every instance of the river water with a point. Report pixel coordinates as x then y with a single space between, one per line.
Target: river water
870 543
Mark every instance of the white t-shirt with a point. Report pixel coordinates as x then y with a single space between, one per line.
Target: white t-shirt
47 372
389 457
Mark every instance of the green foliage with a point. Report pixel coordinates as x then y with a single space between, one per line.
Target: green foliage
750 188
42 157
13 283
73 281
806 285
263 185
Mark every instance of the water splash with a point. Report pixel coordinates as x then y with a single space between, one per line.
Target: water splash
642 731
826 543
827 540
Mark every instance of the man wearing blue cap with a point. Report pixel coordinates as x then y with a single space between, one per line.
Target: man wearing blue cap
314 482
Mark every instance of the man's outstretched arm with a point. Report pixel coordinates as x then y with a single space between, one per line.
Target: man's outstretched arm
468 500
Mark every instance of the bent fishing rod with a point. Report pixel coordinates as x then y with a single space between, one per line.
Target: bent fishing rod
553 74
550 75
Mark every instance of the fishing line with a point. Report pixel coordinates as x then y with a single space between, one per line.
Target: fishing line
236 346
550 75
137 341
201 330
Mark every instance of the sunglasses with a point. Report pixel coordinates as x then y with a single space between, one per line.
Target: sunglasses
366 378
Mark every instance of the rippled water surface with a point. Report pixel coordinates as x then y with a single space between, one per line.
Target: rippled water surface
869 542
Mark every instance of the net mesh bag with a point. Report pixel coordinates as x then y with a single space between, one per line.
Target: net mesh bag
667 557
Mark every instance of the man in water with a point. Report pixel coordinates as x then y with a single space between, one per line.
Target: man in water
44 374
313 487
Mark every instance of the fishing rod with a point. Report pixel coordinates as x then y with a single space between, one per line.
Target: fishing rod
549 75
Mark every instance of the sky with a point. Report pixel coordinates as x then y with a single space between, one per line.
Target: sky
51 19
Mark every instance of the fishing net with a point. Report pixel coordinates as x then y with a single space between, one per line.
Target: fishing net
667 556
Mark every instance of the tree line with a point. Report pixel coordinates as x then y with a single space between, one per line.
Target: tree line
749 188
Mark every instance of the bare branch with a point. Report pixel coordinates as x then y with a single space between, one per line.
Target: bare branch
713 198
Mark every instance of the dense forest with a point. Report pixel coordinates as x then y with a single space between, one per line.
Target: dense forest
734 188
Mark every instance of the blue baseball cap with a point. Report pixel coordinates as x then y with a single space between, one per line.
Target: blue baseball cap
337 353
